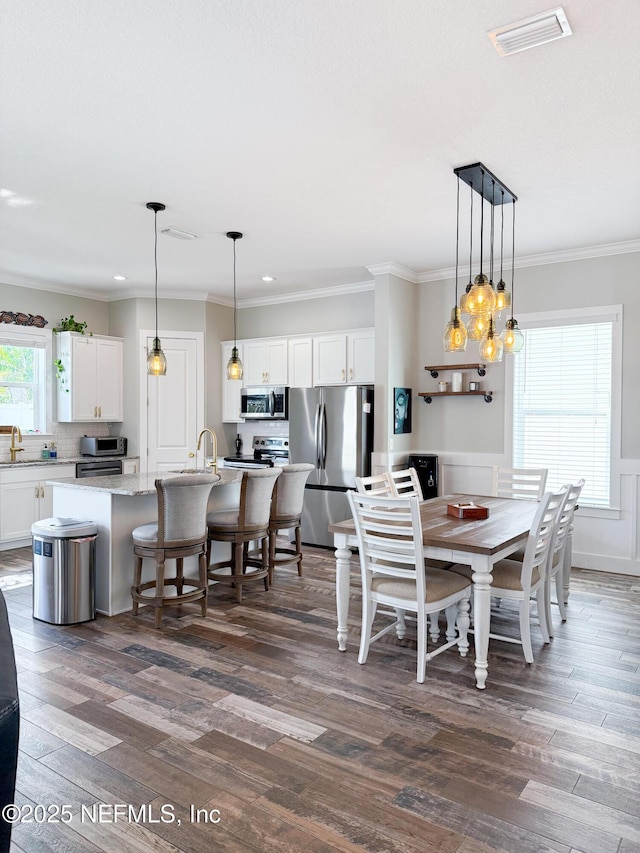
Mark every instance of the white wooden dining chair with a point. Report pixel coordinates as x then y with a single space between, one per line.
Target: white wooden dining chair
405 483
393 574
376 484
523 483
559 544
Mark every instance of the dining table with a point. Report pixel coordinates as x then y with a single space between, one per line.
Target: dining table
474 542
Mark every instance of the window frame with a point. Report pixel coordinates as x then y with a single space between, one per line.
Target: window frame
29 335
569 317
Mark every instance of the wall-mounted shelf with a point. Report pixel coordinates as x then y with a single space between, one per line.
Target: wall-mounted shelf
435 369
488 395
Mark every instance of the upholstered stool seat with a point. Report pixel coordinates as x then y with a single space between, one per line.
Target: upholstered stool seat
286 514
181 531
249 523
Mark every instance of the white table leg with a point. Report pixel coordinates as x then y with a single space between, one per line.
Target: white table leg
343 572
481 616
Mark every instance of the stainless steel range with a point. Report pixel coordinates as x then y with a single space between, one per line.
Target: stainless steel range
268 450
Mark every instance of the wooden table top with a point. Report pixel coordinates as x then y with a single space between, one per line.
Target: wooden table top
509 521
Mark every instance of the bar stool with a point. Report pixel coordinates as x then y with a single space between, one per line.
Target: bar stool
248 523
179 532
286 514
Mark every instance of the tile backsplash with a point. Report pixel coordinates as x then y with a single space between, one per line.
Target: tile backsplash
66 437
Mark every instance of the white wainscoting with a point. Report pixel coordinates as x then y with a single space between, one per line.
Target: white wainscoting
605 540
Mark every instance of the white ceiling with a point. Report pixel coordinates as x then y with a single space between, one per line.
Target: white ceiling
325 130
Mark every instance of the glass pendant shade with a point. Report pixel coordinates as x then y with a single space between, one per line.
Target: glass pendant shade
481 299
156 360
455 333
463 300
478 326
512 337
491 348
234 365
503 298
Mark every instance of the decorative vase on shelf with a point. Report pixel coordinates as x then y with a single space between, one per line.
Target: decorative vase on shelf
238 445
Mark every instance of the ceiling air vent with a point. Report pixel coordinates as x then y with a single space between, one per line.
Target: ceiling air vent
530 32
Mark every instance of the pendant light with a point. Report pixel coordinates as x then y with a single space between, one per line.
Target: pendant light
512 337
234 365
156 361
503 297
481 299
455 333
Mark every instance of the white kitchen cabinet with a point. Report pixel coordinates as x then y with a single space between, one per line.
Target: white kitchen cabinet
265 362
231 388
89 377
25 499
300 362
344 358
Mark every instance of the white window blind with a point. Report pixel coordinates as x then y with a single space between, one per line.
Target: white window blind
562 406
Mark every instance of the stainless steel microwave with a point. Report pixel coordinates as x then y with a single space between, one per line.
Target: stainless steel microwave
103 445
265 403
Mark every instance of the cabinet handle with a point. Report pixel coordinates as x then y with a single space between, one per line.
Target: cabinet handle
99 411
344 375
42 495
37 491
350 374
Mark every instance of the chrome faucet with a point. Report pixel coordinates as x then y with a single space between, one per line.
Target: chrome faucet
13 449
213 461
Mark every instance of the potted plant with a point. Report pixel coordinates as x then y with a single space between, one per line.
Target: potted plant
70 324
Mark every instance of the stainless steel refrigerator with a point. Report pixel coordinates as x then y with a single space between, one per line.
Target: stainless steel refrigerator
331 427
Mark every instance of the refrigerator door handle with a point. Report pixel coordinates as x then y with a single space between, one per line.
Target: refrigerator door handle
323 440
317 435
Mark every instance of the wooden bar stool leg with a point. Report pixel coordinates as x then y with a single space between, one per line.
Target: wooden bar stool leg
265 560
204 581
137 580
238 568
299 550
272 555
159 588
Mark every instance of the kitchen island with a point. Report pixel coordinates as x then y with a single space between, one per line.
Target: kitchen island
117 505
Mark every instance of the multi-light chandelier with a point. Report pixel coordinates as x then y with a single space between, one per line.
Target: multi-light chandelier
482 302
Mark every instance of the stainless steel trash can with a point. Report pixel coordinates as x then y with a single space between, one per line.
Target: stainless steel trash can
64 570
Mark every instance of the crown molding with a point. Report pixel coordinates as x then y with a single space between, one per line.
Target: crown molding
582 254
392 268
299 296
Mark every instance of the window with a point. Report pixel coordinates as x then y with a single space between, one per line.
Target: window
563 392
23 378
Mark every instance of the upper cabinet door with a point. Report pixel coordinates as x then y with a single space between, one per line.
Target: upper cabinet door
301 362
330 360
90 383
265 362
361 357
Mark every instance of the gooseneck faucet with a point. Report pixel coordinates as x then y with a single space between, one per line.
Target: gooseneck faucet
15 430
213 461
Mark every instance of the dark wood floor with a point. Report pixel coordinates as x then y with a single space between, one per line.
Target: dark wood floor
254 713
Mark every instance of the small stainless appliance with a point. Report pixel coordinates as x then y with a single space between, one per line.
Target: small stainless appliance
266 403
103 445
268 450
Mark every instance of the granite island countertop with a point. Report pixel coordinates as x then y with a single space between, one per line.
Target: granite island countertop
139 484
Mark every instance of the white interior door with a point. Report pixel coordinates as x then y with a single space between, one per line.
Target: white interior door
172 406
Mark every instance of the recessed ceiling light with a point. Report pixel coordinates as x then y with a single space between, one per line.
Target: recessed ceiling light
178 234
530 32
268 278
119 278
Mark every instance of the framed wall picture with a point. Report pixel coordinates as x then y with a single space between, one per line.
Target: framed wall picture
402 410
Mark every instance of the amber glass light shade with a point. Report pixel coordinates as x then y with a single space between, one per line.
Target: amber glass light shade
512 337
455 333
491 348
477 327
156 360
503 298
234 365
481 299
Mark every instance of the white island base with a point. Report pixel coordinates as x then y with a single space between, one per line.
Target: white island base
118 505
